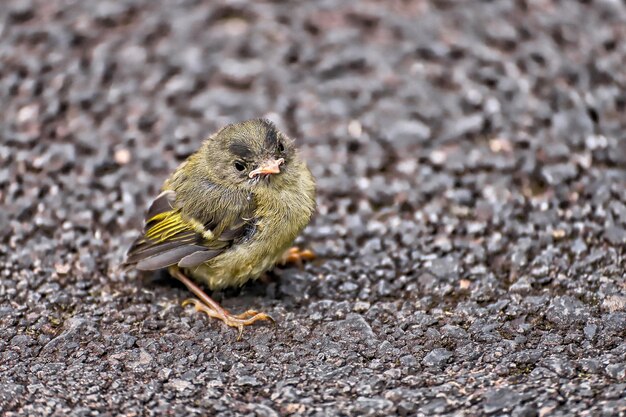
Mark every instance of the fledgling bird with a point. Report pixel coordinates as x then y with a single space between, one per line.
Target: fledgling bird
229 213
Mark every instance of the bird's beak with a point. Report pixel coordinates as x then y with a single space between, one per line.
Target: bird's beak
270 166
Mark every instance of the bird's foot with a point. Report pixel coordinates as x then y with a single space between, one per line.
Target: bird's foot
211 308
238 321
297 256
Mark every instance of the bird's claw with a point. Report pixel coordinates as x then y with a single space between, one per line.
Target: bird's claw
239 321
295 255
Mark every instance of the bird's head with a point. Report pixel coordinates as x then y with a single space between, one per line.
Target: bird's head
251 154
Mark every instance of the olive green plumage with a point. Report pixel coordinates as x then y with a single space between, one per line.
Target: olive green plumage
229 212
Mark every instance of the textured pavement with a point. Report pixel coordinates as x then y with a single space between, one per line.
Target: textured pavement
471 225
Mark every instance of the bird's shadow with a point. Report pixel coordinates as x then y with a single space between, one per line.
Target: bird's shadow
289 285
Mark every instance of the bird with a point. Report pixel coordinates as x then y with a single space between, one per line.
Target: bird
227 214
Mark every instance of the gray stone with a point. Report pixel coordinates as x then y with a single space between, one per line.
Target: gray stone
437 357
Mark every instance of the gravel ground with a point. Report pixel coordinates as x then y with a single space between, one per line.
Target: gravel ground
471 230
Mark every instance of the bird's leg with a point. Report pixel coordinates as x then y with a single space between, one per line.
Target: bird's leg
211 308
295 255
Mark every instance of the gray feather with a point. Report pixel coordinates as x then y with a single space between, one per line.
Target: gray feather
168 258
164 202
198 258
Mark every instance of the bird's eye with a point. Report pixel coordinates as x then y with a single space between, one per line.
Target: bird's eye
281 147
240 166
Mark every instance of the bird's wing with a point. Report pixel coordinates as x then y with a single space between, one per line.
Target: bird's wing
170 238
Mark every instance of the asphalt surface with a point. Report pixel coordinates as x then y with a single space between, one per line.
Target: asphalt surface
471 230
